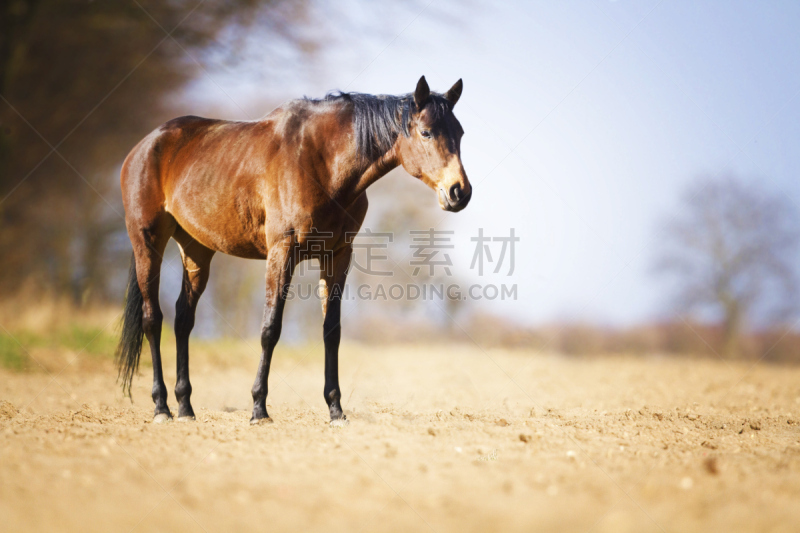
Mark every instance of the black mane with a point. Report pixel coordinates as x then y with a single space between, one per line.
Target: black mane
379 119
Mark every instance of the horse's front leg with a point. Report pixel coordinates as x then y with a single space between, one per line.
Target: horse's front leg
279 276
332 285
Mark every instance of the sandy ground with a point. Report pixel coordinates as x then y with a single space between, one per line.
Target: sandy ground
441 439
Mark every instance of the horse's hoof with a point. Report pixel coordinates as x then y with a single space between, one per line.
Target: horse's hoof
339 423
162 418
259 421
189 418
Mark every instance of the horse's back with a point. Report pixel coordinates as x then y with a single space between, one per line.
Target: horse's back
171 151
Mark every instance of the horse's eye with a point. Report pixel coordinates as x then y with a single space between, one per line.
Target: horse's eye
425 134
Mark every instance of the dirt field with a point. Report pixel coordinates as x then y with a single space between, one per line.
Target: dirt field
439 439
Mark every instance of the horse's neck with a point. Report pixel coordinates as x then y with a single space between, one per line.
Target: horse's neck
374 171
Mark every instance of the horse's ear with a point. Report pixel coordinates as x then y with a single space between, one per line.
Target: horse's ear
454 93
422 93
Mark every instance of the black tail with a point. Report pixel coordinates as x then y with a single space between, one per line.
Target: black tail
130 341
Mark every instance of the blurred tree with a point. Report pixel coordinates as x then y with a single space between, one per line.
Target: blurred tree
80 83
732 250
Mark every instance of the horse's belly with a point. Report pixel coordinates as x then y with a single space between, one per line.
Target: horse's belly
225 231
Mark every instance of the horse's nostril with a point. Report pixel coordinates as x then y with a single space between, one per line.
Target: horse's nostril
456 192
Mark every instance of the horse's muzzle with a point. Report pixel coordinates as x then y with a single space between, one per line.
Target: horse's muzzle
456 200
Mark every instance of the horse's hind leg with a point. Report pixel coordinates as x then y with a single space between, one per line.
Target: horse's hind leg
196 267
149 243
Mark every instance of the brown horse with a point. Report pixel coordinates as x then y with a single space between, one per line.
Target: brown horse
257 190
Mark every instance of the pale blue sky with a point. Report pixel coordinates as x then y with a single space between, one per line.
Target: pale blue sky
610 109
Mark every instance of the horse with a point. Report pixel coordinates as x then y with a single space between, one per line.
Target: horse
257 190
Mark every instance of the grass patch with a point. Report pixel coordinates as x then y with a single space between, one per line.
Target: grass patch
90 341
12 355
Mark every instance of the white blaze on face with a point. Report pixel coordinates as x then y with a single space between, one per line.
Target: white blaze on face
451 174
